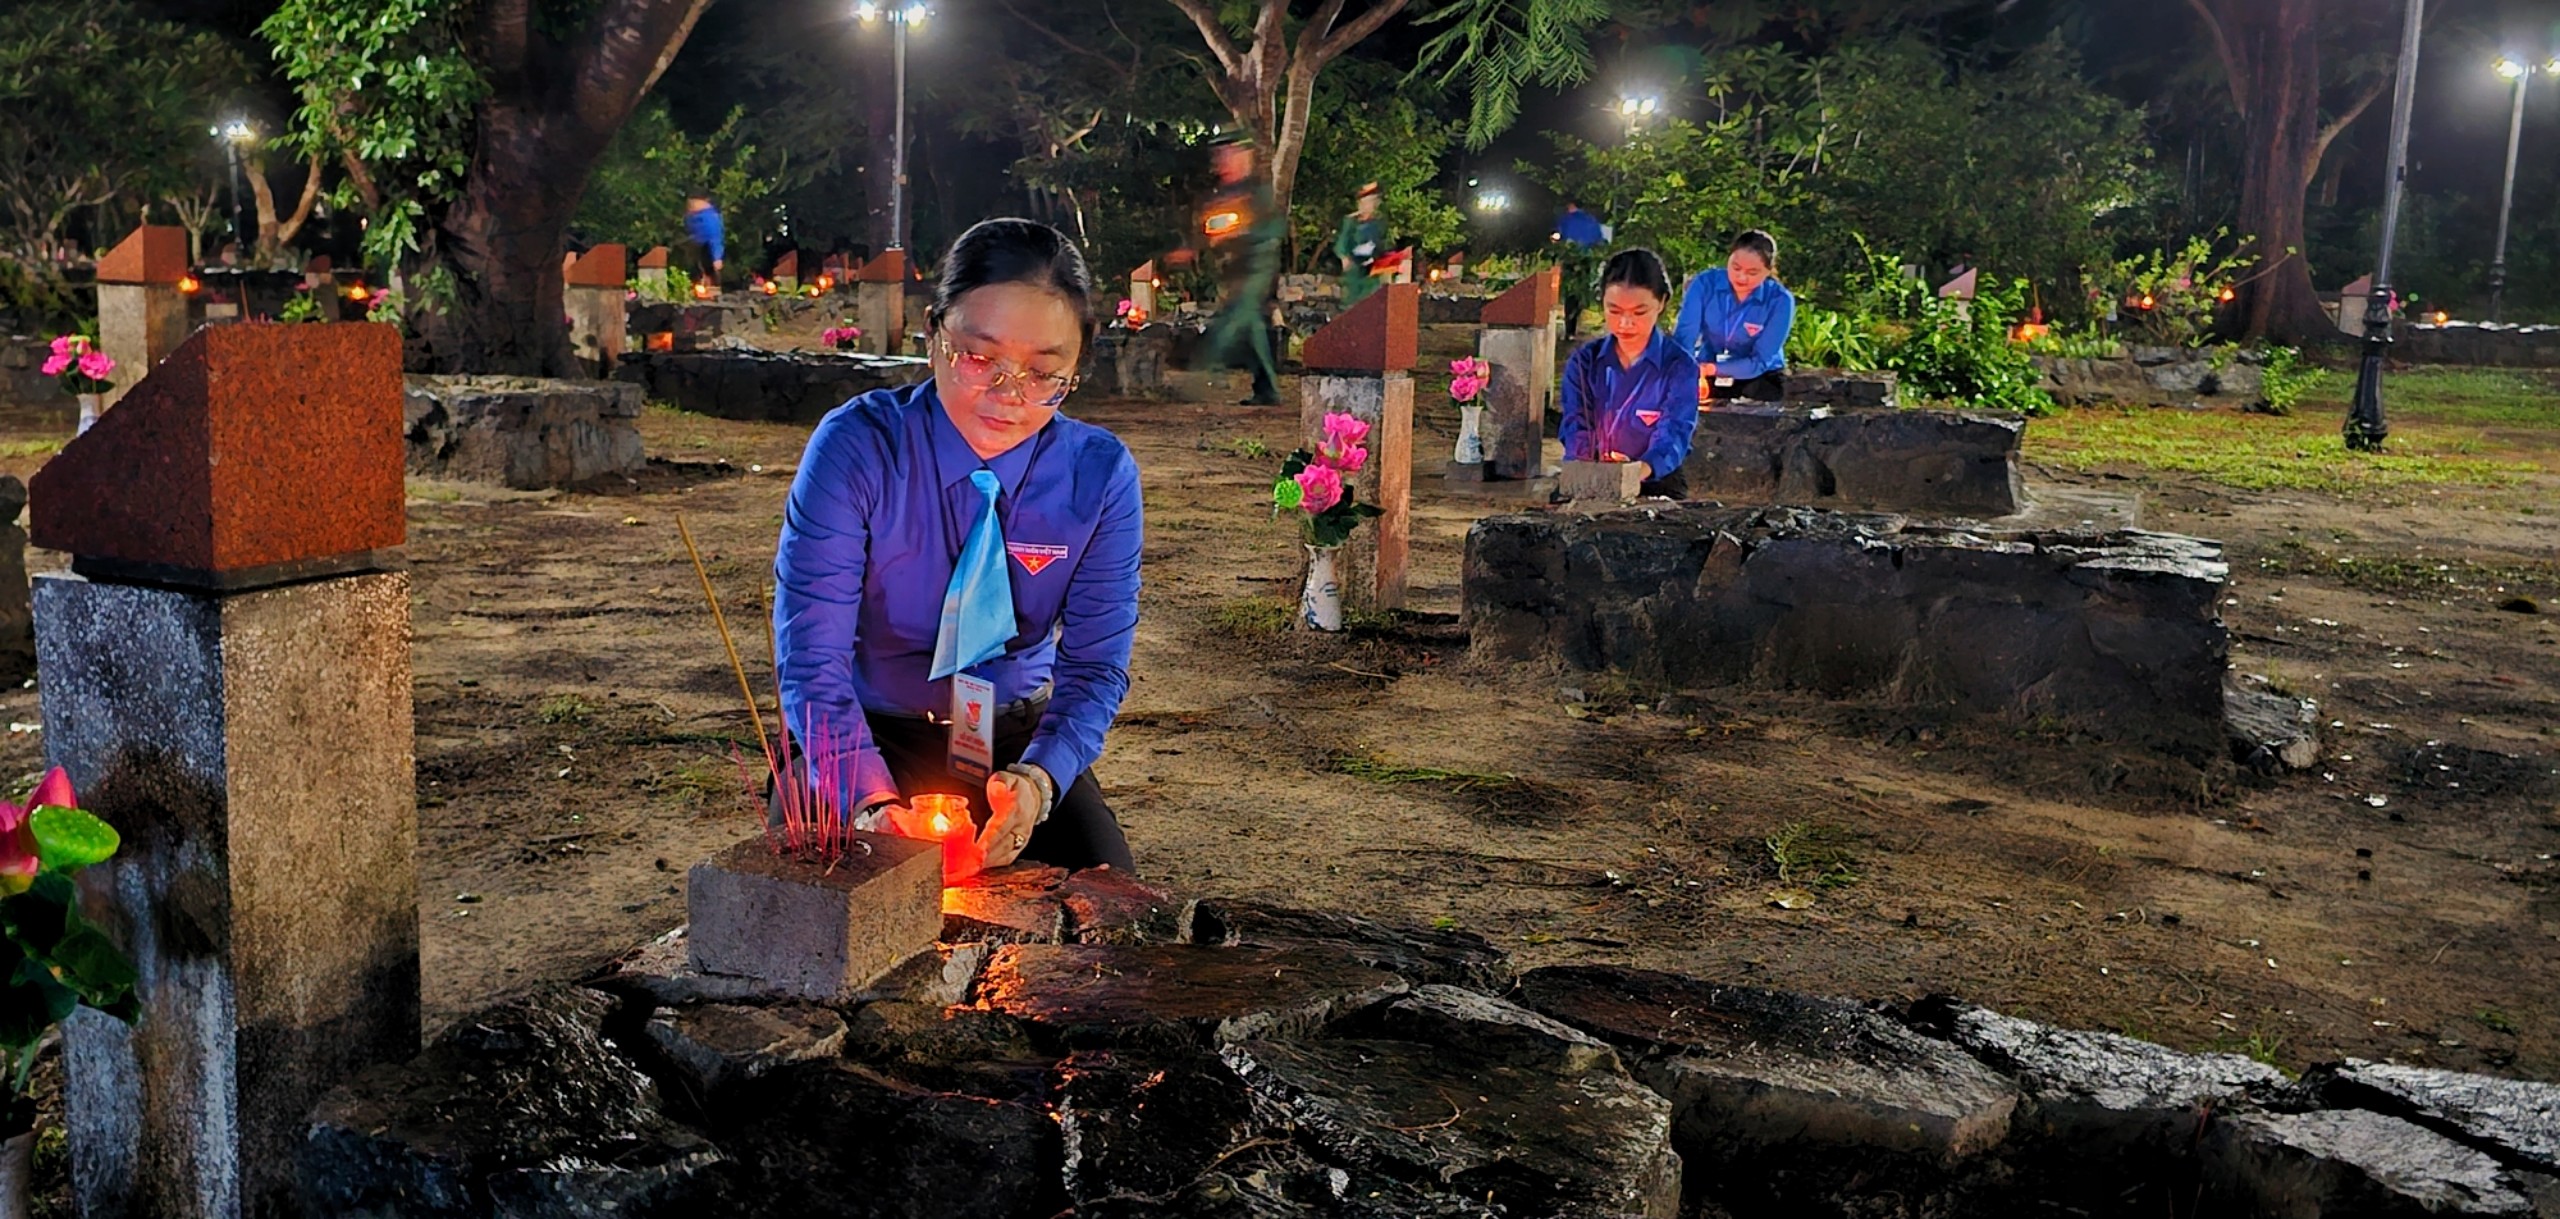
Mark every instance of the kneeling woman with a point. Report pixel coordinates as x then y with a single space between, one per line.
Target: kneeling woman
1632 393
1734 321
957 542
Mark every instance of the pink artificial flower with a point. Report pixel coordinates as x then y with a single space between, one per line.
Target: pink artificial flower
19 857
1350 460
1322 486
55 364
1341 430
95 365
65 344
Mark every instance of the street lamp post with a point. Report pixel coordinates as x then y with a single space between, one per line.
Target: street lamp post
899 18
2519 72
234 133
2365 428
1635 110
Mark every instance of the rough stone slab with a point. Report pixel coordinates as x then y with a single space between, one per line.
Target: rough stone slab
249 447
838 1138
1093 995
1956 463
523 432
2115 634
1420 955
721 1043
1107 906
1532 302
813 931
1146 1124
523 1109
1749 1068
2516 1120
1530 1140
940 977
254 750
1127 363
1019 905
151 254
2337 1163
1380 334
1372 564
922 1034
662 971
1861 389
2271 732
2089 1084
1599 485
1480 1028
767 386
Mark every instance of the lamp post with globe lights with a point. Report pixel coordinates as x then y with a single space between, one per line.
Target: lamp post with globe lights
899 17
2520 72
2365 427
235 135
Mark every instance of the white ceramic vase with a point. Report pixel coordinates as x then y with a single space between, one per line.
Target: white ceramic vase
1320 602
1470 434
89 408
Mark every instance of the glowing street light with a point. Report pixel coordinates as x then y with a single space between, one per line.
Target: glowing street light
1493 199
899 18
235 134
1638 107
2520 72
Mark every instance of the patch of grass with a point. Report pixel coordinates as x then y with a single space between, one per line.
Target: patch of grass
1250 448
1253 617
2260 452
1812 853
2260 1046
16 449
700 782
2477 397
564 709
1501 799
2495 1020
1376 769
436 495
2406 575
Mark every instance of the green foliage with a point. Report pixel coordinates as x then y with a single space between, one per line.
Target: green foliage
303 307
2170 297
677 289
1359 131
68 839
2077 343
1331 527
1949 350
1500 45
2286 380
1677 188
388 83
1812 853
53 960
638 191
1823 338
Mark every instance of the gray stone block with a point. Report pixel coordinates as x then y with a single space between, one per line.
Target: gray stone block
2516 1120
814 930
1126 363
17 598
2342 1163
2116 634
2092 1091
719 1044
1481 1028
254 752
766 386
1598 485
2271 732
1938 463
523 432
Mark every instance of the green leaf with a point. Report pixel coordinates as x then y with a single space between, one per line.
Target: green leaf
35 920
92 965
69 839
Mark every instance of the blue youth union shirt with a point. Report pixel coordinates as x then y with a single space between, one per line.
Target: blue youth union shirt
1648 410
1743 339
875 523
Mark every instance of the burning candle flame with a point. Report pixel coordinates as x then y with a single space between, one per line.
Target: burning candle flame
941 824
189 285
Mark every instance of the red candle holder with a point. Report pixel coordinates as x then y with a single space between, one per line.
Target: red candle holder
947 819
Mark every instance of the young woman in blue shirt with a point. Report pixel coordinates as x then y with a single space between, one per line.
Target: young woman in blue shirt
1734 321
889 502
1632 393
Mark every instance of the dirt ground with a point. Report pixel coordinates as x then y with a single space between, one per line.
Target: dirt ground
577 727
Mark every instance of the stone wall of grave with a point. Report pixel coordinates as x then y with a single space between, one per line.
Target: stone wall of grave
2479 344
1842 388
765 386
522 432
1933 463
22 379
1126 363
2149 376
1087 1042
2116 634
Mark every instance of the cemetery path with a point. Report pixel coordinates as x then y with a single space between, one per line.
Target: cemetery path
576 724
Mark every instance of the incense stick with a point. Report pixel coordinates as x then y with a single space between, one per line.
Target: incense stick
722 620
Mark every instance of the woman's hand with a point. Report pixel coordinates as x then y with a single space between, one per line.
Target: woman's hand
1644 472
1018 800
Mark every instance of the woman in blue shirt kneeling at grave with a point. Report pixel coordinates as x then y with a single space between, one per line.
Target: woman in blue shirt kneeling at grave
957 580
1632 393
1734 321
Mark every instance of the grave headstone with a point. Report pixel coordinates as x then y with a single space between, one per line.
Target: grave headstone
1457 273
142 310
1142 292
1518 338
786 271
1361 364
17 615
2351 305
592 295
1961 290
226 678
653 269
880 303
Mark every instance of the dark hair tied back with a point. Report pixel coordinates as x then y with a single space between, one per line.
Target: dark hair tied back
1637 268
1759 243
1012 250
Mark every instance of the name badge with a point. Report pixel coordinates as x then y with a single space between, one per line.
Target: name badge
1724 382
973 728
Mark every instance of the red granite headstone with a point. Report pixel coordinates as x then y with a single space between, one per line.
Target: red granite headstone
1380 334
600 267
1145 272
787 266
1962 287
152 254
889 268
655 259
252 454
1531 302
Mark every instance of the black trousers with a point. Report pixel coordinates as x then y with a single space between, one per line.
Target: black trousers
1671 484
1080 832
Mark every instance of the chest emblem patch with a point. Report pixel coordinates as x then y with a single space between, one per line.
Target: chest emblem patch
1033 556
1648 418
1752 329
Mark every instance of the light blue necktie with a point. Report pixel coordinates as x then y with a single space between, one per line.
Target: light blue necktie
977 610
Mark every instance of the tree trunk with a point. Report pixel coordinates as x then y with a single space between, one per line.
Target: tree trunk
274 231
552 110
2272 53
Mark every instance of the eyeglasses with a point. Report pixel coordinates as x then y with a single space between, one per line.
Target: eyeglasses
990 375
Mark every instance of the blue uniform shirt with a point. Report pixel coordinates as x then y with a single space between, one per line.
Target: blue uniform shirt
1580 227
1743 339
875 523
1648 410
705 227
